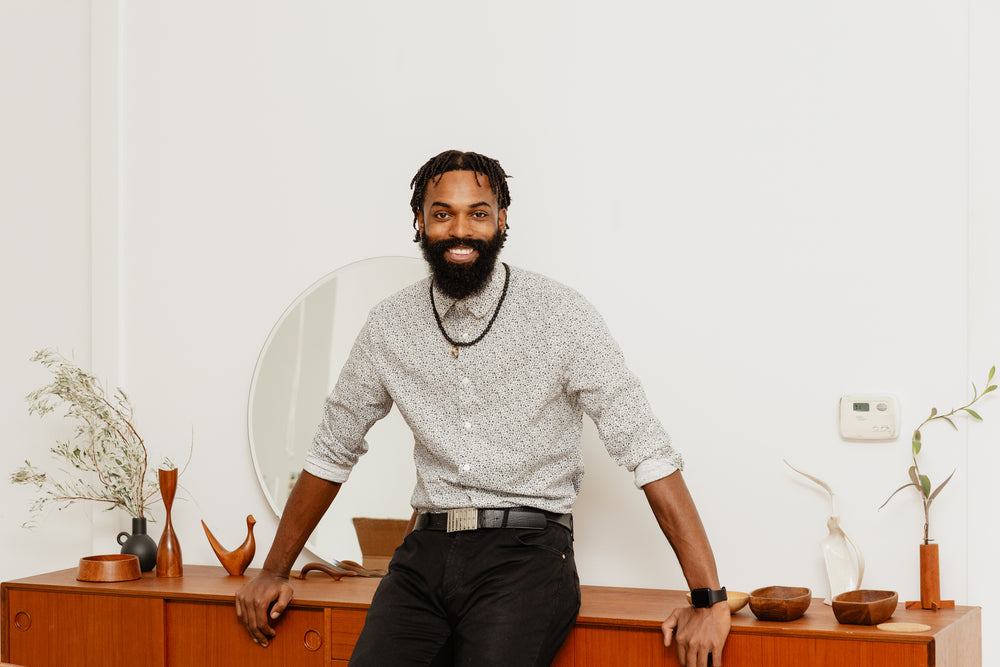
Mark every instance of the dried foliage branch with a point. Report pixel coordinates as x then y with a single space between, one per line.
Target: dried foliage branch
105 461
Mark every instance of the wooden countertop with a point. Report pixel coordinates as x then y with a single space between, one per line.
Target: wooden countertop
639 608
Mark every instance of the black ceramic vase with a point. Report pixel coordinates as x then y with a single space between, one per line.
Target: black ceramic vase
139 544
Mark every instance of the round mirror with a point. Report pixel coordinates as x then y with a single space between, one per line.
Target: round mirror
297 369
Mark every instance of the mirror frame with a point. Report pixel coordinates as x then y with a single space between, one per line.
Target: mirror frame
286 313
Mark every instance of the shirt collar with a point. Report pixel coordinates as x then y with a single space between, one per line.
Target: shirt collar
480 304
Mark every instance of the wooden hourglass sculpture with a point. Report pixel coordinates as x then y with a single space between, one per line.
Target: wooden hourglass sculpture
168 554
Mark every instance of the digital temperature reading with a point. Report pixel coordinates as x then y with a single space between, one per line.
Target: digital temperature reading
861 407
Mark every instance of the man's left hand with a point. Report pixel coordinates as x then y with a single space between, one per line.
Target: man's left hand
699 634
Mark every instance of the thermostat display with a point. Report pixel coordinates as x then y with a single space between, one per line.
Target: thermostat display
869 417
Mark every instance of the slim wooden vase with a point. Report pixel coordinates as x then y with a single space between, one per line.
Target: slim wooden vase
930 581
168 554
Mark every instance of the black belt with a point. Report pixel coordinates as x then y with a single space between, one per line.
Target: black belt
471 518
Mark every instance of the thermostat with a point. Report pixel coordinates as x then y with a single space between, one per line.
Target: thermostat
869 417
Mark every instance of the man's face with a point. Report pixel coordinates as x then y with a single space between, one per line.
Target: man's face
462 231
457 207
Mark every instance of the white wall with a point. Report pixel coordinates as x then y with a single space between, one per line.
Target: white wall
44 254
770 203
983 456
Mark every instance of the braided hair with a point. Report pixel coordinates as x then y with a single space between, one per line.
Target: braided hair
454 160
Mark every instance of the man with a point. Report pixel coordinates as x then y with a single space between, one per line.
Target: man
492 367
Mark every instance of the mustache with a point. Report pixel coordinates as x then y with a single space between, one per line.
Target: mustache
442 246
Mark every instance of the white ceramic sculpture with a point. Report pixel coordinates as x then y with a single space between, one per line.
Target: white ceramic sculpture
845 566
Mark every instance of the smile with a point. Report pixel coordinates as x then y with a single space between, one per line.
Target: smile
460 254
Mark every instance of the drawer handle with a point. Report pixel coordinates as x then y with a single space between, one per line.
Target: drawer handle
22 621
312 640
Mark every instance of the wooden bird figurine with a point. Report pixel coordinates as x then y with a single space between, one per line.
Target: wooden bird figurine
237 560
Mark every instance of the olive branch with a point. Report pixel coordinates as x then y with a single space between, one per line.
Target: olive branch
107 459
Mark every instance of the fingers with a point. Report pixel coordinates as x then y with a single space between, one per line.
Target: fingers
284 597
715 657
668 627
693 657
257 605
262 630
698 636
256 621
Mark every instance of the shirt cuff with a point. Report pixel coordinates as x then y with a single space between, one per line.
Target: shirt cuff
324 469
651 470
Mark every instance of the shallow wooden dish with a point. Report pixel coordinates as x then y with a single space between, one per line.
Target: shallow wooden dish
112 567
735 599
864 607
780 603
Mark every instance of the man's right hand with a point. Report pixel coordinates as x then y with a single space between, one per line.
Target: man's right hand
263 599
254 605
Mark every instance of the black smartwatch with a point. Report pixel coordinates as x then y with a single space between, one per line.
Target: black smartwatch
706 597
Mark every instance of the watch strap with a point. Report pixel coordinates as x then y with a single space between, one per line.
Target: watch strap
706 597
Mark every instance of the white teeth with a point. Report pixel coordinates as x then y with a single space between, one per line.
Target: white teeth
462 251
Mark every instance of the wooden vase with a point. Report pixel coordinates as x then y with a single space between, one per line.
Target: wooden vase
168 554
930 581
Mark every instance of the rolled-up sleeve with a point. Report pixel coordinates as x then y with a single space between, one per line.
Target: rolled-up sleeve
358 400
613 397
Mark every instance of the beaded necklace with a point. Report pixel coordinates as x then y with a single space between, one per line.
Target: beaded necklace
456 344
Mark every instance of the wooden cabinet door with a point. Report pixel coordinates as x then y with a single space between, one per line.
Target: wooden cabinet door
208 634
790 651
84 630
345 628
598 647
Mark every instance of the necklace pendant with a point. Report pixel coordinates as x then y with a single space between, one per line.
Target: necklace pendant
454 351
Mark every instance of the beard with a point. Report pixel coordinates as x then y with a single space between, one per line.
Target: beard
461 280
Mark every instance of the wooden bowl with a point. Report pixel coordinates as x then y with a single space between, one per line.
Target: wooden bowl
113 567
780 603
735 599
864 607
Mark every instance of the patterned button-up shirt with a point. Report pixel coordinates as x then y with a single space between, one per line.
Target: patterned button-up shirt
500 425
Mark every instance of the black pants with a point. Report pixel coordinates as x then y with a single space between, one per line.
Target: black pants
503 596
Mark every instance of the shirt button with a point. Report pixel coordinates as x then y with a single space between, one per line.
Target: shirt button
465 380
466 467
468 426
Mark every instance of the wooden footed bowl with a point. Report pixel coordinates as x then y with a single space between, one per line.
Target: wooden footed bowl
735 599
780 603
864 607
113 567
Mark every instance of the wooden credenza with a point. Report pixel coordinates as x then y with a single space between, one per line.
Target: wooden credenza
52 619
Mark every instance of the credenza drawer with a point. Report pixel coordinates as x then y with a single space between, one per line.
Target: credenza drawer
83 630
209 634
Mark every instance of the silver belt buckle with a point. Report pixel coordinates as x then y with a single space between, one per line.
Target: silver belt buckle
463 518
